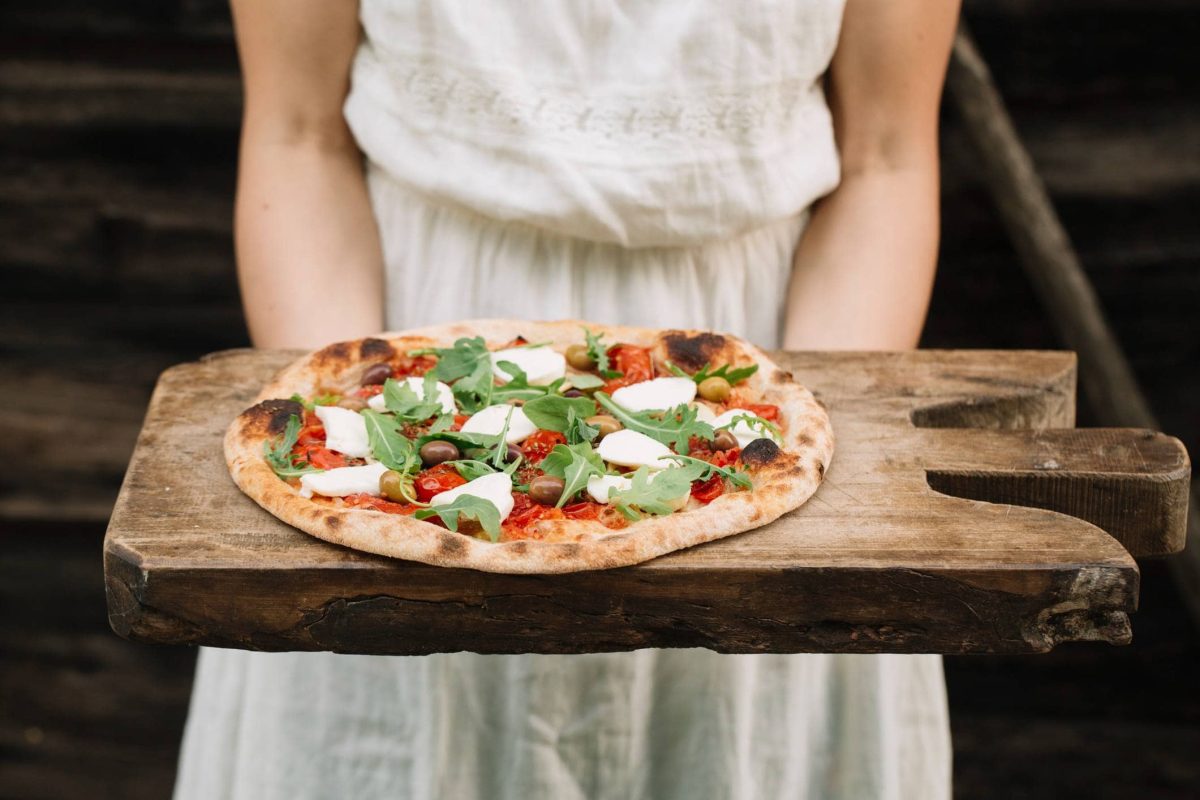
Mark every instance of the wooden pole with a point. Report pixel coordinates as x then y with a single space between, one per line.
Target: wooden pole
1054 270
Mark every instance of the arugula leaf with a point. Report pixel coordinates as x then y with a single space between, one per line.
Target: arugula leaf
574 464
578 429
552 412
674 428
598 352
468 506
501 450
467 366
389 446
738 477
442 423
514 372
279 454
474 391
463 359
652 493
518 387
471 468
734 376
319 400
400 399
584 380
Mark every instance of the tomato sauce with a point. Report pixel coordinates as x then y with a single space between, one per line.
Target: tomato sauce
525 513
413 365
586 509
364 500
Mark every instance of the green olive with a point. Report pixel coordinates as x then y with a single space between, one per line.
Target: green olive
546 489
391 486
437 451
715 390
578 358
724 440
605 423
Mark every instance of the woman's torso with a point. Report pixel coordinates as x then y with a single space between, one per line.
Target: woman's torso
639 123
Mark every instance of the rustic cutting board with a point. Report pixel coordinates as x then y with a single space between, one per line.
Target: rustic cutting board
881 559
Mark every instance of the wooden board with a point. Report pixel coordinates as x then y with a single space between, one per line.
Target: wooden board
878 561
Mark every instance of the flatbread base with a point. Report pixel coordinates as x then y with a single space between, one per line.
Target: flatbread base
784 482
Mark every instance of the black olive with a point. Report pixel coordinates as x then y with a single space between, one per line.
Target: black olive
724 440
376 374
546 489
437 451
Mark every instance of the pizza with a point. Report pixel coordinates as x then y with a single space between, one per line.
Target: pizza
530 447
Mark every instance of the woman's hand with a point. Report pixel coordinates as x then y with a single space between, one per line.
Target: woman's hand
863 270
308 254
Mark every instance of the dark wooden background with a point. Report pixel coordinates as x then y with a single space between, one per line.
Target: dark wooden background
118 139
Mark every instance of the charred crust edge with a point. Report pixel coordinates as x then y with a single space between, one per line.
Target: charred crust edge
337 354
372 349
760 452
272 415
692 351
452 544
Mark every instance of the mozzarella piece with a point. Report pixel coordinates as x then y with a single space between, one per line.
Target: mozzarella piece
658 394
490 421
345 431
342 481
417 383
704 413
541 365
496 488
598 486
742 432
628 448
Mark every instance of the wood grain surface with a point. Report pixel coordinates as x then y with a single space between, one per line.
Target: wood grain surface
881 559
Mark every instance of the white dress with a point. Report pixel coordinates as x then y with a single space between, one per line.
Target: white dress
648 163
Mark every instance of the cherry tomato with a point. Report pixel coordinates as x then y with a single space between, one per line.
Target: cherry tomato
540 443
633 361
709 490
436 480
310 435
459 421
369 391
324 458
586 509
765 410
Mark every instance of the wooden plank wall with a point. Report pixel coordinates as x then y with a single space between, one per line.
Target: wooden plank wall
118 135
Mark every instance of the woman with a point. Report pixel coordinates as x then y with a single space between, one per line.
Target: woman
644 163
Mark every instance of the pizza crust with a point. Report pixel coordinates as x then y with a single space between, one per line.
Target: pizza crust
783 480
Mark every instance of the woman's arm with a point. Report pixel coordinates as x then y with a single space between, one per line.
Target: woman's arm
308 256
864 267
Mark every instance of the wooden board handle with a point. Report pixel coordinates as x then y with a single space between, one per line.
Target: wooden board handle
1132 483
